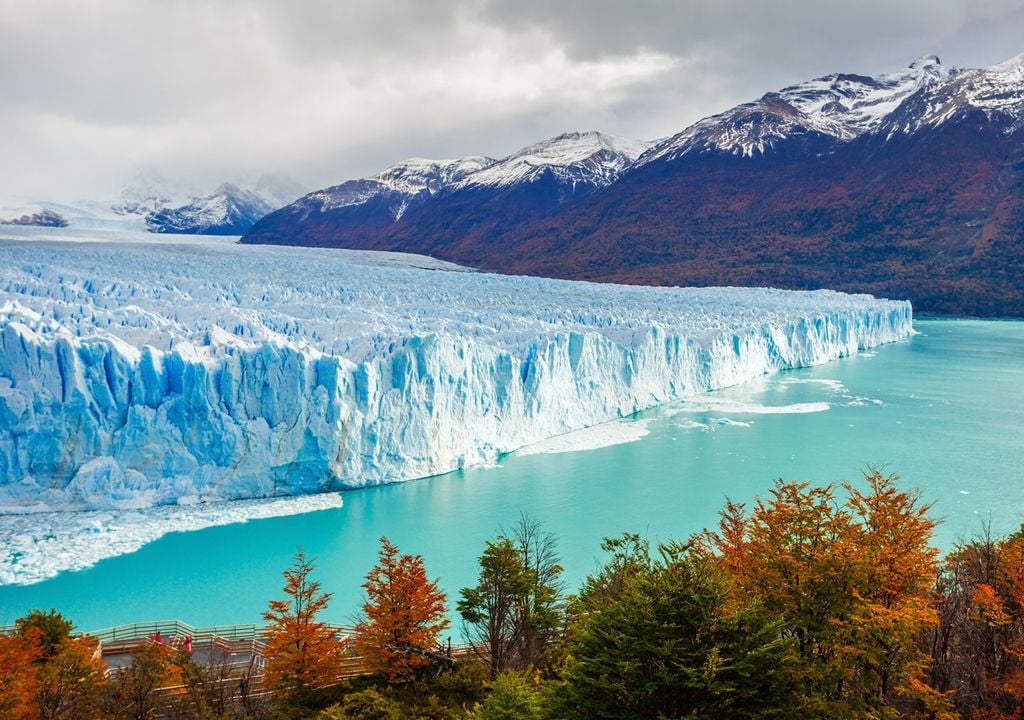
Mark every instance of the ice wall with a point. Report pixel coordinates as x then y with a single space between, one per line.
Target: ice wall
138 375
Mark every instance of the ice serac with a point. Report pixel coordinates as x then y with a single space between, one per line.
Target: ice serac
257 372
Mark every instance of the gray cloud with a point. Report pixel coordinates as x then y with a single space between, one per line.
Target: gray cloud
206 90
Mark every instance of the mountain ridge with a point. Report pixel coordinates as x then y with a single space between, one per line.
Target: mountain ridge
907 184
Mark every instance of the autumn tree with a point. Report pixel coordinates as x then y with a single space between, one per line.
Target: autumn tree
302 652
896 590
71 680
978 646
852 582
69 672
404 613
135 689
19 653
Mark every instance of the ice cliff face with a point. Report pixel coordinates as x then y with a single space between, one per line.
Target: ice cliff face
134 375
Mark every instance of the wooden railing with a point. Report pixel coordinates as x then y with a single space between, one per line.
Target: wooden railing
245 641
176 628
244 648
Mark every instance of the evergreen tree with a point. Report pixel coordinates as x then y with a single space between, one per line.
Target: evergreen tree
669 643
54 629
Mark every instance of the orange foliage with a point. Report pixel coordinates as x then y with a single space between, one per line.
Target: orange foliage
851 580
987 669
18 657
404 611
302 652
69 681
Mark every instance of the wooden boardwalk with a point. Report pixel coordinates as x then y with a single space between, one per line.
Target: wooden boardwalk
238 648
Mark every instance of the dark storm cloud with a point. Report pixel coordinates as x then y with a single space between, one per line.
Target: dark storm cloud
325 90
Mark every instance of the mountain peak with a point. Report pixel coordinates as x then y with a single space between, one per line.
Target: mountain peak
925 61
590 157
840 107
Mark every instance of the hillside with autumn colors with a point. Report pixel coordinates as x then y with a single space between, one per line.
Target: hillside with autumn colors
908 185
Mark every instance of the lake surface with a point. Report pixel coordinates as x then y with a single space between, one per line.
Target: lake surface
945 410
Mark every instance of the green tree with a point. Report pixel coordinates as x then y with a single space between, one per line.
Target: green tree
629 556
670 643
516 608
368 704
54 629
514 696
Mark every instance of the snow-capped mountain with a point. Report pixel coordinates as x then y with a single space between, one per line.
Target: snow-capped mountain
996 92
909 183
576 158
397 187
229 210
842 107
457 194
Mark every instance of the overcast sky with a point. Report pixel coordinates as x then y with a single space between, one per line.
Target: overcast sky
326 90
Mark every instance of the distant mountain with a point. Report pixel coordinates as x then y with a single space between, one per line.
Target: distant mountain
41 218
149 191
424 204
229 210
909 184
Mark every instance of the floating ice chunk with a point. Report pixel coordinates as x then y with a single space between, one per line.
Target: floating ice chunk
711 404
592 438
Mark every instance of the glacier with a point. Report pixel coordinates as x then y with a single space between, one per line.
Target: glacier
140 374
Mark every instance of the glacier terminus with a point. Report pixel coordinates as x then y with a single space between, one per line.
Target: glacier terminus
137 373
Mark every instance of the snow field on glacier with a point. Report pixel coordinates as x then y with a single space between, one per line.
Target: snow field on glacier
134 374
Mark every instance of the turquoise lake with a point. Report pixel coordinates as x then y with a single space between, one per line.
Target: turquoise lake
944 410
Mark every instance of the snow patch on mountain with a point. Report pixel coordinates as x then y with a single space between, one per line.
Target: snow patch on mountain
400 185
841 107
229 210
134 375
577 157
